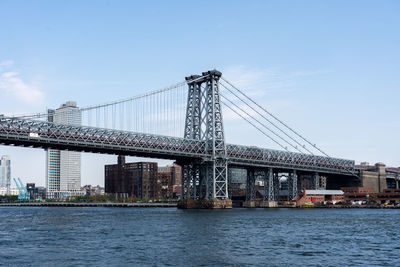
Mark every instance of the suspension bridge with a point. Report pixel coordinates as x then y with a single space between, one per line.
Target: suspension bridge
184 122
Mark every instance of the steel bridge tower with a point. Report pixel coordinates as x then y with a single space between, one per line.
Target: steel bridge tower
206 179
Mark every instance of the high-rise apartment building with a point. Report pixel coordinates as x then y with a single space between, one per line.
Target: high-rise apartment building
63 175
5 173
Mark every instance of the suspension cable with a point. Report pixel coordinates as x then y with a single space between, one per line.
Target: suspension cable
247 104
245 112
177 85
255 126
284 124
269 113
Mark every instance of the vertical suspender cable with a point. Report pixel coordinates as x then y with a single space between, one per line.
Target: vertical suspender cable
97 117
105 115
142 117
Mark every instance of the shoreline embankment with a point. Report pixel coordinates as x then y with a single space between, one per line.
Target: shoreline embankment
82 204
173 205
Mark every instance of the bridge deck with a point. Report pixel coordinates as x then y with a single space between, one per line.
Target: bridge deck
20 132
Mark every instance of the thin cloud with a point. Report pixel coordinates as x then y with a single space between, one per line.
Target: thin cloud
257 82
310 73
260 82
5 63
12 84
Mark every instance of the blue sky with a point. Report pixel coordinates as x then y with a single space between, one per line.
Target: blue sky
329 69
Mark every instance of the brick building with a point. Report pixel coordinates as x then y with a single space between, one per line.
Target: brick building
378 176
312 196
169 181
143 180
137 179
369 194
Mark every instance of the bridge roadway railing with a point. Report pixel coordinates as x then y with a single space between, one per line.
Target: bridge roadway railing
91 139
248 155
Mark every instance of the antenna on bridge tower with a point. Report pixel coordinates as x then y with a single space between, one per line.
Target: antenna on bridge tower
206 179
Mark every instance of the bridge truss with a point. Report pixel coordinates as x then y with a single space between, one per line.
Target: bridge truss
202 152
41 134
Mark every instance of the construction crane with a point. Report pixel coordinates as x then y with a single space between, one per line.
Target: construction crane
22 192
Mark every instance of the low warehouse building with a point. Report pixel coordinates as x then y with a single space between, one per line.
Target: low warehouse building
313 196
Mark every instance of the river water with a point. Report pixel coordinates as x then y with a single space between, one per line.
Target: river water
52 236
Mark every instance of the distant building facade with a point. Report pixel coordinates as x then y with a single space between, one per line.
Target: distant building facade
35 192
11 191
237 183
137 179
63 175
366 194
5 173
311 196
169 180
144 180
378 176
90 190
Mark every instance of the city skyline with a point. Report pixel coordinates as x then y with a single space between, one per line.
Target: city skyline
330 85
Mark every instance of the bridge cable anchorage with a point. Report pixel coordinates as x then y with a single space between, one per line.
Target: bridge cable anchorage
291 138
276 118
245 112
280 121
255 126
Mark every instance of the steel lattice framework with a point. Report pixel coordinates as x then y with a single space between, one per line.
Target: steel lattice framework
204 123
254 156
91 139
292 184
20 132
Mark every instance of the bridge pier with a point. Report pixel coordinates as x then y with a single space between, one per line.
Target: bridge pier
316 180
292 185
205 203
250 189
271 188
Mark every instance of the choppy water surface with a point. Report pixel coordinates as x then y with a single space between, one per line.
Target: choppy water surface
47 236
